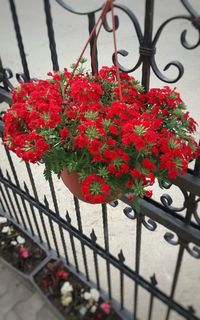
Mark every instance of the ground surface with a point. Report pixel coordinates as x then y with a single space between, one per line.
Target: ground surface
19 299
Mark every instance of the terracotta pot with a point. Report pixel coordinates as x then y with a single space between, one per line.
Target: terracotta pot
72 182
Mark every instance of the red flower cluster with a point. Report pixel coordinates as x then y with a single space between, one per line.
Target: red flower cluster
116 147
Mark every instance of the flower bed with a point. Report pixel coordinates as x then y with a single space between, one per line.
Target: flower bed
17 249
71 296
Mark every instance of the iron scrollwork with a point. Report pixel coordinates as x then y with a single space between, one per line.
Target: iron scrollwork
175 240
167 201
149 49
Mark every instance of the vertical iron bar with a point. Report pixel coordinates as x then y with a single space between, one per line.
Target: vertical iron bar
11 202
64 245
95 256
32 208
80 228
54 236
20 211
52 43
91 24
35 222
176 275
5 200
197 166
106 242
24 205
51 226
1 202
18 185
121 261
72 243
74 252
37 199
53 194
137 262
96 265
19 40
122 290
150 307
9 198
147 42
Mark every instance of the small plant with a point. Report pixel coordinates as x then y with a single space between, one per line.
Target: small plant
53 274
21 252
71 296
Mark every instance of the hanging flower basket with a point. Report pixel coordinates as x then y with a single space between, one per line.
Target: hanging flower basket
102 129
77 124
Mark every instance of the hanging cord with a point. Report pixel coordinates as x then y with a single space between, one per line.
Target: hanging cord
107 7
99 21
115 48
110 7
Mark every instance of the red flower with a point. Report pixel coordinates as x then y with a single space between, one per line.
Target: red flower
147 164
64 133
62 274
95 189
149 193
135 173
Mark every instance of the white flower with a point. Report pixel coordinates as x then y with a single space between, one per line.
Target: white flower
6 229
13 243
20 240
2 243
66 299
87 296
82 310
66 287
93 309
3 220
95 294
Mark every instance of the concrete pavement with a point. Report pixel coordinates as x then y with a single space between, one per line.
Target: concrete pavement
19 300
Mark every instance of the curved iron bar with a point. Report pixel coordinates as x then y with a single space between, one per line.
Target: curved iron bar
124 53
130 213
167 201
174 63
164 184
183 34
194 251
107 27
6 76
139 34
189 8
149 224
133 19
170 238
161 76
70 9
195 214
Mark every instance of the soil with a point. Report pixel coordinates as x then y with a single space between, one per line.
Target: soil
72 311
25 257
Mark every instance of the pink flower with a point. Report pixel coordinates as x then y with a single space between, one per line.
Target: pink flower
105 307
24 253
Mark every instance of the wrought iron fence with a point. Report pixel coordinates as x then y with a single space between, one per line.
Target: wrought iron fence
84 236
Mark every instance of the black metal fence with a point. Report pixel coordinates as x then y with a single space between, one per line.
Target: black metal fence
138 271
